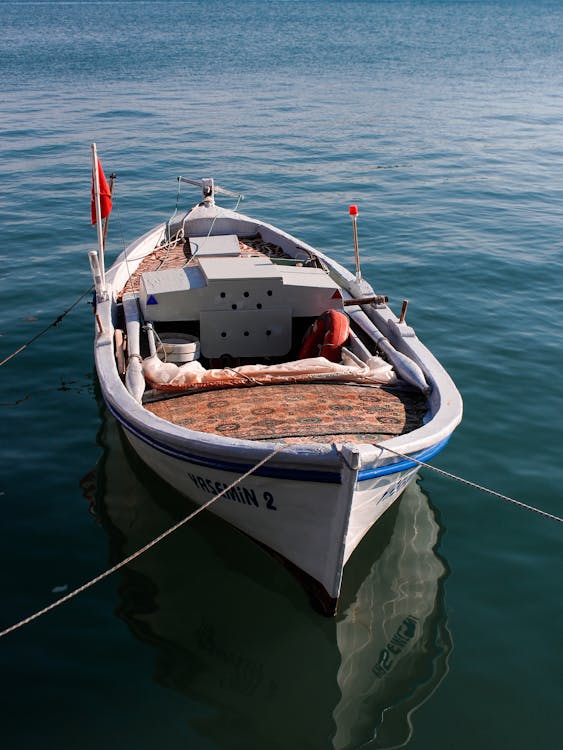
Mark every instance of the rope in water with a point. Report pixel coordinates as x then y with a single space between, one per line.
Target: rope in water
474 485
55 323
139 552
237 481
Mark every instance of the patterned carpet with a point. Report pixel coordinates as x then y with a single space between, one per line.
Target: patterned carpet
320 412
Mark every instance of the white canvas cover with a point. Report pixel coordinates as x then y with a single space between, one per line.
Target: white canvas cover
169 376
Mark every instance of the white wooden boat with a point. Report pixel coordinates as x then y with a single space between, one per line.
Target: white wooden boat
192 600
230 300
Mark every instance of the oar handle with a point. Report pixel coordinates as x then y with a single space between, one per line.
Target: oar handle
377 299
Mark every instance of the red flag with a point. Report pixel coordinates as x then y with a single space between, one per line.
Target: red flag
105 195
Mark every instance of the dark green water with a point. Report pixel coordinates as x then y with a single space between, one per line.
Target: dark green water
443 122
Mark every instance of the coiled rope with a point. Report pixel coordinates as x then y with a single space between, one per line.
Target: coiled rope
139 552
474 485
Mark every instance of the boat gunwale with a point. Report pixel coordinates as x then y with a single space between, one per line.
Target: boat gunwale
292 473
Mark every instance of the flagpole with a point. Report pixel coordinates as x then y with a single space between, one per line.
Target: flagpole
96 183
106 220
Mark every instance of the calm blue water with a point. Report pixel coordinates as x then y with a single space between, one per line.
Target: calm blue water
443 121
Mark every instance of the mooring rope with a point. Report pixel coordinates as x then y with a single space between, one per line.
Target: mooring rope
474 485
93 581
55 323
139 552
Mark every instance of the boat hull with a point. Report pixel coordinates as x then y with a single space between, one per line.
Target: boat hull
313 518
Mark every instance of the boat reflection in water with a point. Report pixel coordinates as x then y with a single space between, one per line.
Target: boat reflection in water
233 630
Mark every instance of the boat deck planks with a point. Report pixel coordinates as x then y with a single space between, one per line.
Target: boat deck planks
294 413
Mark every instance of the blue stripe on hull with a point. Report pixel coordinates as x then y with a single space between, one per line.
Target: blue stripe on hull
406 463
328 477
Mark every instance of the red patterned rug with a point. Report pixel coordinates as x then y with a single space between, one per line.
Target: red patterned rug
320 412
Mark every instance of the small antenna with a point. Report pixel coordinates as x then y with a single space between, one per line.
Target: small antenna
354 215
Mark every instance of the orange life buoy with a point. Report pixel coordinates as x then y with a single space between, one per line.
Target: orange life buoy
326 336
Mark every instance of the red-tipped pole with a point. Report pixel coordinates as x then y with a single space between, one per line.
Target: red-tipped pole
354 215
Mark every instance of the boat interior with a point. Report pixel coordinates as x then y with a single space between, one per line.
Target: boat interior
232 300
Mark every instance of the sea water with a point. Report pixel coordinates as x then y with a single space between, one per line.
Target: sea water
443 122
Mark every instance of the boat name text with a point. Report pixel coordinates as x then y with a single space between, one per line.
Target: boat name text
239 493
396 488
388 655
